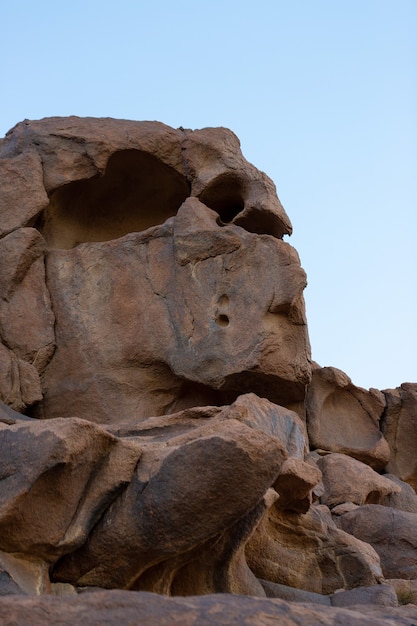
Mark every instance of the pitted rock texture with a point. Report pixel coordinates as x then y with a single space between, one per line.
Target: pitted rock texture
162 426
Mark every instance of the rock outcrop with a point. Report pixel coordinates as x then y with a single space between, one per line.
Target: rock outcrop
162 427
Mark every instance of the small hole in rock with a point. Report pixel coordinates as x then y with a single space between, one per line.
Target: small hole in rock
222 320
223 300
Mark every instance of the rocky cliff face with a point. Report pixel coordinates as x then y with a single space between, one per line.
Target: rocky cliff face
163 427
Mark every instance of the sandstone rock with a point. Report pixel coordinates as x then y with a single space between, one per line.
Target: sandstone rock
22 193
188 295
309 552
186 493
273 420
26 318
212 324
404 500
348 480
344 418
295 485
399 425
124 607
392 533
20 384
406 590
291 594
20 576
57 478
151 312
341 509
383 595
8 587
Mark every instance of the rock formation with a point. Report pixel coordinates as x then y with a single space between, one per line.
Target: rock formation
163 428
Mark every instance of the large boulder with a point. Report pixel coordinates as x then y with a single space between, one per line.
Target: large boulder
399 425
169 280
56 479
348 480
405 499
392 533
202 486
344 418
309 552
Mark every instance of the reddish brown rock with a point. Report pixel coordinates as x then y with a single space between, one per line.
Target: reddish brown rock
20 385
22 193
404 500
348 480
295 485
382 595
273 420
406 590
309 552
145 288
22 576
344 418
188 295
57 478
399 425
187 491
211 323
392 533
26 318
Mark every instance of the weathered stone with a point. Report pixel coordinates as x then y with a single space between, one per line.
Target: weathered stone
309 552
21 576
26 318
404 500
344 418
212 324
188 295
22 193
185 493
383 595
145 287
348 480
57 478
273 420
295 485
291 594
392 533
127 607
20 384
399 425
406 590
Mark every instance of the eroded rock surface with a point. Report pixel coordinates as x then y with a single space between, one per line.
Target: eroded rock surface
344 418
161 428
399 427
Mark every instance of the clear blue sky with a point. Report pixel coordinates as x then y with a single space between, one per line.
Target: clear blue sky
323 95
